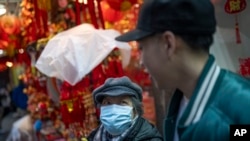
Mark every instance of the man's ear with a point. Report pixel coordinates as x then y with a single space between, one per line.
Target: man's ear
169 40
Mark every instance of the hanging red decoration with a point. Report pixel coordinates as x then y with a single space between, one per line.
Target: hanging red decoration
121 5
77 14
234 7
29 30
10 24
9 29
93 15
244 67
109 14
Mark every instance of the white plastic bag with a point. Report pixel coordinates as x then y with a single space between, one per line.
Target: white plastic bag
72 54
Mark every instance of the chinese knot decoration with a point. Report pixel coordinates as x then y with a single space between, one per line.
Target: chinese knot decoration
234 7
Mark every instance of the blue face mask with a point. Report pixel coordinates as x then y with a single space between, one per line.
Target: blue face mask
115 118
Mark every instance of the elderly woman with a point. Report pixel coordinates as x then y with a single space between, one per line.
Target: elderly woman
120 102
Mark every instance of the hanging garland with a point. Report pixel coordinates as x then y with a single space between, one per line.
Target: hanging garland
77 110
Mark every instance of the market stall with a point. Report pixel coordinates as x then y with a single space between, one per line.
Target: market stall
64 52
63 49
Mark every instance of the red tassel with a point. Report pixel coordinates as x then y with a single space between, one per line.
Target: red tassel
65 115
45 22
111 67
97 76
37 17
119 68
238 40
93 17
78 20
84 13
100 13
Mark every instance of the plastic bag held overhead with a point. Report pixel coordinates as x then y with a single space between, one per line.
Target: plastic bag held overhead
72 54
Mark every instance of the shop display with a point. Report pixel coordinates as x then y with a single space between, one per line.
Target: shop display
60 104
51 44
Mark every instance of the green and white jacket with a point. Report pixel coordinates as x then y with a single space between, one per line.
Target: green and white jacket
221 98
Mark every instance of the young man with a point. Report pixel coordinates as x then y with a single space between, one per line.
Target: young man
174 37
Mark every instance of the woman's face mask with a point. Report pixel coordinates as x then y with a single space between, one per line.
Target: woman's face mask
116 113
116 118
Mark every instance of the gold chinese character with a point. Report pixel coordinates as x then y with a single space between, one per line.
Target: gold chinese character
234 5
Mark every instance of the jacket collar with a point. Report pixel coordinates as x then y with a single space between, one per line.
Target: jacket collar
201 94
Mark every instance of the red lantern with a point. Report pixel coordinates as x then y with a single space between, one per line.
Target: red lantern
109 14
10 24
9 28
121 5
